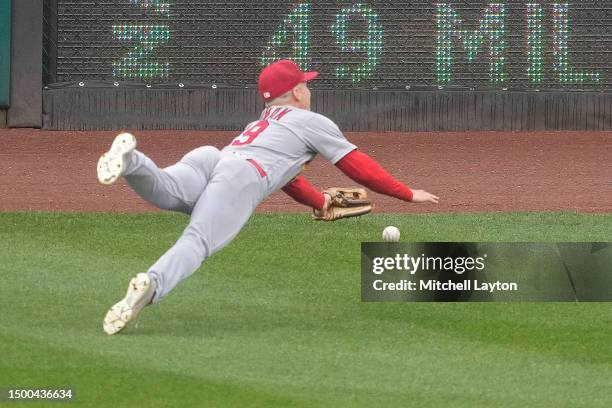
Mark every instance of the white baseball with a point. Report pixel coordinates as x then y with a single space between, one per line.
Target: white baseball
391 234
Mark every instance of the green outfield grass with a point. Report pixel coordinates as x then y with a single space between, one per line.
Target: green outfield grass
275 319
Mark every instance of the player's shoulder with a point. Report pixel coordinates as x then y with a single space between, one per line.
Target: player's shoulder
301 119
286 111
319 116
321 121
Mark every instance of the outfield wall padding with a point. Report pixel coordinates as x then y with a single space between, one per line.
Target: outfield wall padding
26 64
108 107
5 53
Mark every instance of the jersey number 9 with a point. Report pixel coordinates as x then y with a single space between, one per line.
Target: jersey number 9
250 133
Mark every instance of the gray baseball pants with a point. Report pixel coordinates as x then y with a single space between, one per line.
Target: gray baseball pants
218 189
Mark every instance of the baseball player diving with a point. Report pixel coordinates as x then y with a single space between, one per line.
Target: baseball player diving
221 188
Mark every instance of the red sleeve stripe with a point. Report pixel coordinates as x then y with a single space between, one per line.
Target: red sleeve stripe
303 192
364 170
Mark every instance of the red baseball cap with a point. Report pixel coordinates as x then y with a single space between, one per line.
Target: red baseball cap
280 77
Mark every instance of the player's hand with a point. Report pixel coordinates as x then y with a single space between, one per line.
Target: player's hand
328 200
422 196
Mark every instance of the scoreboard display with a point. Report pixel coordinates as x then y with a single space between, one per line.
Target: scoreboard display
536 44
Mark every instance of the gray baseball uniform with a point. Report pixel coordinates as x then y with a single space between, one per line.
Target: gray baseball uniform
220 189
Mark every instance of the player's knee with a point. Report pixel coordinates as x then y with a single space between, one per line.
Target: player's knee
203 154
198 242
203 158
175 205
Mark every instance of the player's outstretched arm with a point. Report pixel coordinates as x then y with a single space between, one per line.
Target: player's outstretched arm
422 196
303 192
366 171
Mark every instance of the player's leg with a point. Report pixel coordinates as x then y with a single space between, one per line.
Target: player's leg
223 209
226 204
174 188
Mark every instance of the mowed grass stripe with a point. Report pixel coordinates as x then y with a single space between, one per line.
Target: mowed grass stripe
275 318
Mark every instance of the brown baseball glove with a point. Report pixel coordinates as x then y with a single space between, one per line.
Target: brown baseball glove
345 202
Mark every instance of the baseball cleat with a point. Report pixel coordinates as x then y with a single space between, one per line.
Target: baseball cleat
139 294
113 163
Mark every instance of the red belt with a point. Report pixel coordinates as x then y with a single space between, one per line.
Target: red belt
261 171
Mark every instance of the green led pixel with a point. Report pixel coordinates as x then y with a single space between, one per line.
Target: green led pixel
298 22
567 74
158 6
534 42
491 27
136 64
372 44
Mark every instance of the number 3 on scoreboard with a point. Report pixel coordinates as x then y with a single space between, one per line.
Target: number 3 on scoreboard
250 133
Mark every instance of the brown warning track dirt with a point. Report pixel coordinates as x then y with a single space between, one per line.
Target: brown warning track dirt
484 171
